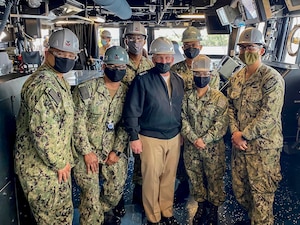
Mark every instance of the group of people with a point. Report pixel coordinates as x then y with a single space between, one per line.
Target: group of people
161 112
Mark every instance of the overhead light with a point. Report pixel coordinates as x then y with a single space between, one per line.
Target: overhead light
95 16
70 22
97 19
2 35
191 14
70 7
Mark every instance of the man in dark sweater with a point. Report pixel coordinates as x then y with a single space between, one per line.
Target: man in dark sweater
152 120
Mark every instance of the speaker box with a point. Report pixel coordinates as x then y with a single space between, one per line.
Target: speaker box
33 27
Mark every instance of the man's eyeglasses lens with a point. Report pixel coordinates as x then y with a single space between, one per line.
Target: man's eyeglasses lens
136 38
201 73
64 55
248 47
119 67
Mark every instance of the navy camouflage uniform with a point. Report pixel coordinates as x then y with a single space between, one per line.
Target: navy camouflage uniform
187 75
132 70
255 109
43 145
205 118
95 111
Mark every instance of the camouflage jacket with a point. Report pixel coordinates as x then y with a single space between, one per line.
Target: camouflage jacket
255 106
187 75
98 119
44 124
204 117
132 70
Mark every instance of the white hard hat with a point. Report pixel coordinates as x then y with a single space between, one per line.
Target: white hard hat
135 28
162 45
201 63
64 40
105 34
191 34
251 35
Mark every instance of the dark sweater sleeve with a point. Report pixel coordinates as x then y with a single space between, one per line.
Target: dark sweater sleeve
133 108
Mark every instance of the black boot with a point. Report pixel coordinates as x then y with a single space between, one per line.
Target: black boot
213 214
200 215
182 192
110 219
169 221
150 223
119 210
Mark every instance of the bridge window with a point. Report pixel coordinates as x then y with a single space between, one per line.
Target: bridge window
213 44
293 41
115 34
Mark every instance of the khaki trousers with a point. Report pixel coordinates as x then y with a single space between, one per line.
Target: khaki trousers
159 164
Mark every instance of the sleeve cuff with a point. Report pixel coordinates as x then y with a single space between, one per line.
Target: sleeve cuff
134 137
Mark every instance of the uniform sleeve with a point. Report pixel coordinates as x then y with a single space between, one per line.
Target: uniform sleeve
232 112
187 130
215 80
220 125
81 140
133 108
121 139
45 129
270 110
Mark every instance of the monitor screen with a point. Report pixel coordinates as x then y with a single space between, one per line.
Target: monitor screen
249 11
293 5
214 25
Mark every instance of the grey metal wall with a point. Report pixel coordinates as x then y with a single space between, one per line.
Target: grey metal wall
10 87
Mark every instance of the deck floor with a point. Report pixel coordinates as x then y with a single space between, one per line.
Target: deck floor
286 206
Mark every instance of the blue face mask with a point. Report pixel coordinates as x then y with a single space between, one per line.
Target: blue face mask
63 65
103 42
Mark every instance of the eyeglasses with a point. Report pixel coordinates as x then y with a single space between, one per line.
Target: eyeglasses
137 38
116 67
64 55
186 46
248 47
201 73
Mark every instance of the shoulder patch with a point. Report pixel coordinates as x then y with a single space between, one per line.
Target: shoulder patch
270 83
55 96
84 93
222 102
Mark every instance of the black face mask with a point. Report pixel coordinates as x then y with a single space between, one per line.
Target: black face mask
191 52
63 65
201 82
134 47
163 67
114 75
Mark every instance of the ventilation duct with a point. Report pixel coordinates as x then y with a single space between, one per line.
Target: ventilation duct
119 7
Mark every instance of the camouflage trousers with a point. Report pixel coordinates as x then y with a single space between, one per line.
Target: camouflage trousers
255 178
94 201
49 201
206 169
